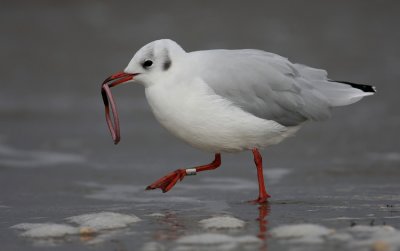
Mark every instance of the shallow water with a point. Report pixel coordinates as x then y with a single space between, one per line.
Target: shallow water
57 159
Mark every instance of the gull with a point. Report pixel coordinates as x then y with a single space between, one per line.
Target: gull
226 101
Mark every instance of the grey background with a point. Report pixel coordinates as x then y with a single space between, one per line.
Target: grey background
55 54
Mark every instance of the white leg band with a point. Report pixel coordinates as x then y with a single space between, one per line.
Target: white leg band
191 171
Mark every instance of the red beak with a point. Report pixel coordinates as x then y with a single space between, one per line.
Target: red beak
113 80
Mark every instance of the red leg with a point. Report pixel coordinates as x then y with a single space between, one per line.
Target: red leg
262 193
169 180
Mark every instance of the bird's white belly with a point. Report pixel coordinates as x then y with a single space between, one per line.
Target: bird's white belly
195 114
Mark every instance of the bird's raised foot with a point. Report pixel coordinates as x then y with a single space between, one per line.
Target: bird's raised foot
168 181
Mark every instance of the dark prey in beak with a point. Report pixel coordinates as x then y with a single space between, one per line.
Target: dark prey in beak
117 79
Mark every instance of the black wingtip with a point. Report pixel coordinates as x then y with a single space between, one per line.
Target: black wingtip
364 88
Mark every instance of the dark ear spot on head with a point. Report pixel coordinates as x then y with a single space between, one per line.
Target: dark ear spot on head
167 64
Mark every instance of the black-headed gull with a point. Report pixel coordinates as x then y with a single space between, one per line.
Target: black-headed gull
228 100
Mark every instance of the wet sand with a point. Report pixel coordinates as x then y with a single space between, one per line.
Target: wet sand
336 181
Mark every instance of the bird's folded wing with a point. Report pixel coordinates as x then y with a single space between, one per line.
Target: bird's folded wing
265 84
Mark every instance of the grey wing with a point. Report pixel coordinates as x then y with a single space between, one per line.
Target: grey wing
265 84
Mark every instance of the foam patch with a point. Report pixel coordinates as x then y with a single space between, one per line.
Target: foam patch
220 222
88 225
46 230
300 231
104 220
216 239
360 237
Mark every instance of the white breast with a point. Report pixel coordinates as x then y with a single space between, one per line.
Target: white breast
194 113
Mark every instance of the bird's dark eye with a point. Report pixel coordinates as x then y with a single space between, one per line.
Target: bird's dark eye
147 64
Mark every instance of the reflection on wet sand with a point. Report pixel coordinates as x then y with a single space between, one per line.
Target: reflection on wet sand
172 228
263 212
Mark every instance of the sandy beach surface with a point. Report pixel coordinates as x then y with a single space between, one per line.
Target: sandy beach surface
64 185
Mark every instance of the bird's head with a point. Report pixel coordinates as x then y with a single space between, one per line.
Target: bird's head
151 63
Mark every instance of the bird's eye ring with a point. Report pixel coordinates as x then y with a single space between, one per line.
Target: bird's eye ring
147 63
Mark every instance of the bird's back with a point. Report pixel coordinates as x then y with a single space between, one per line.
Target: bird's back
271 87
